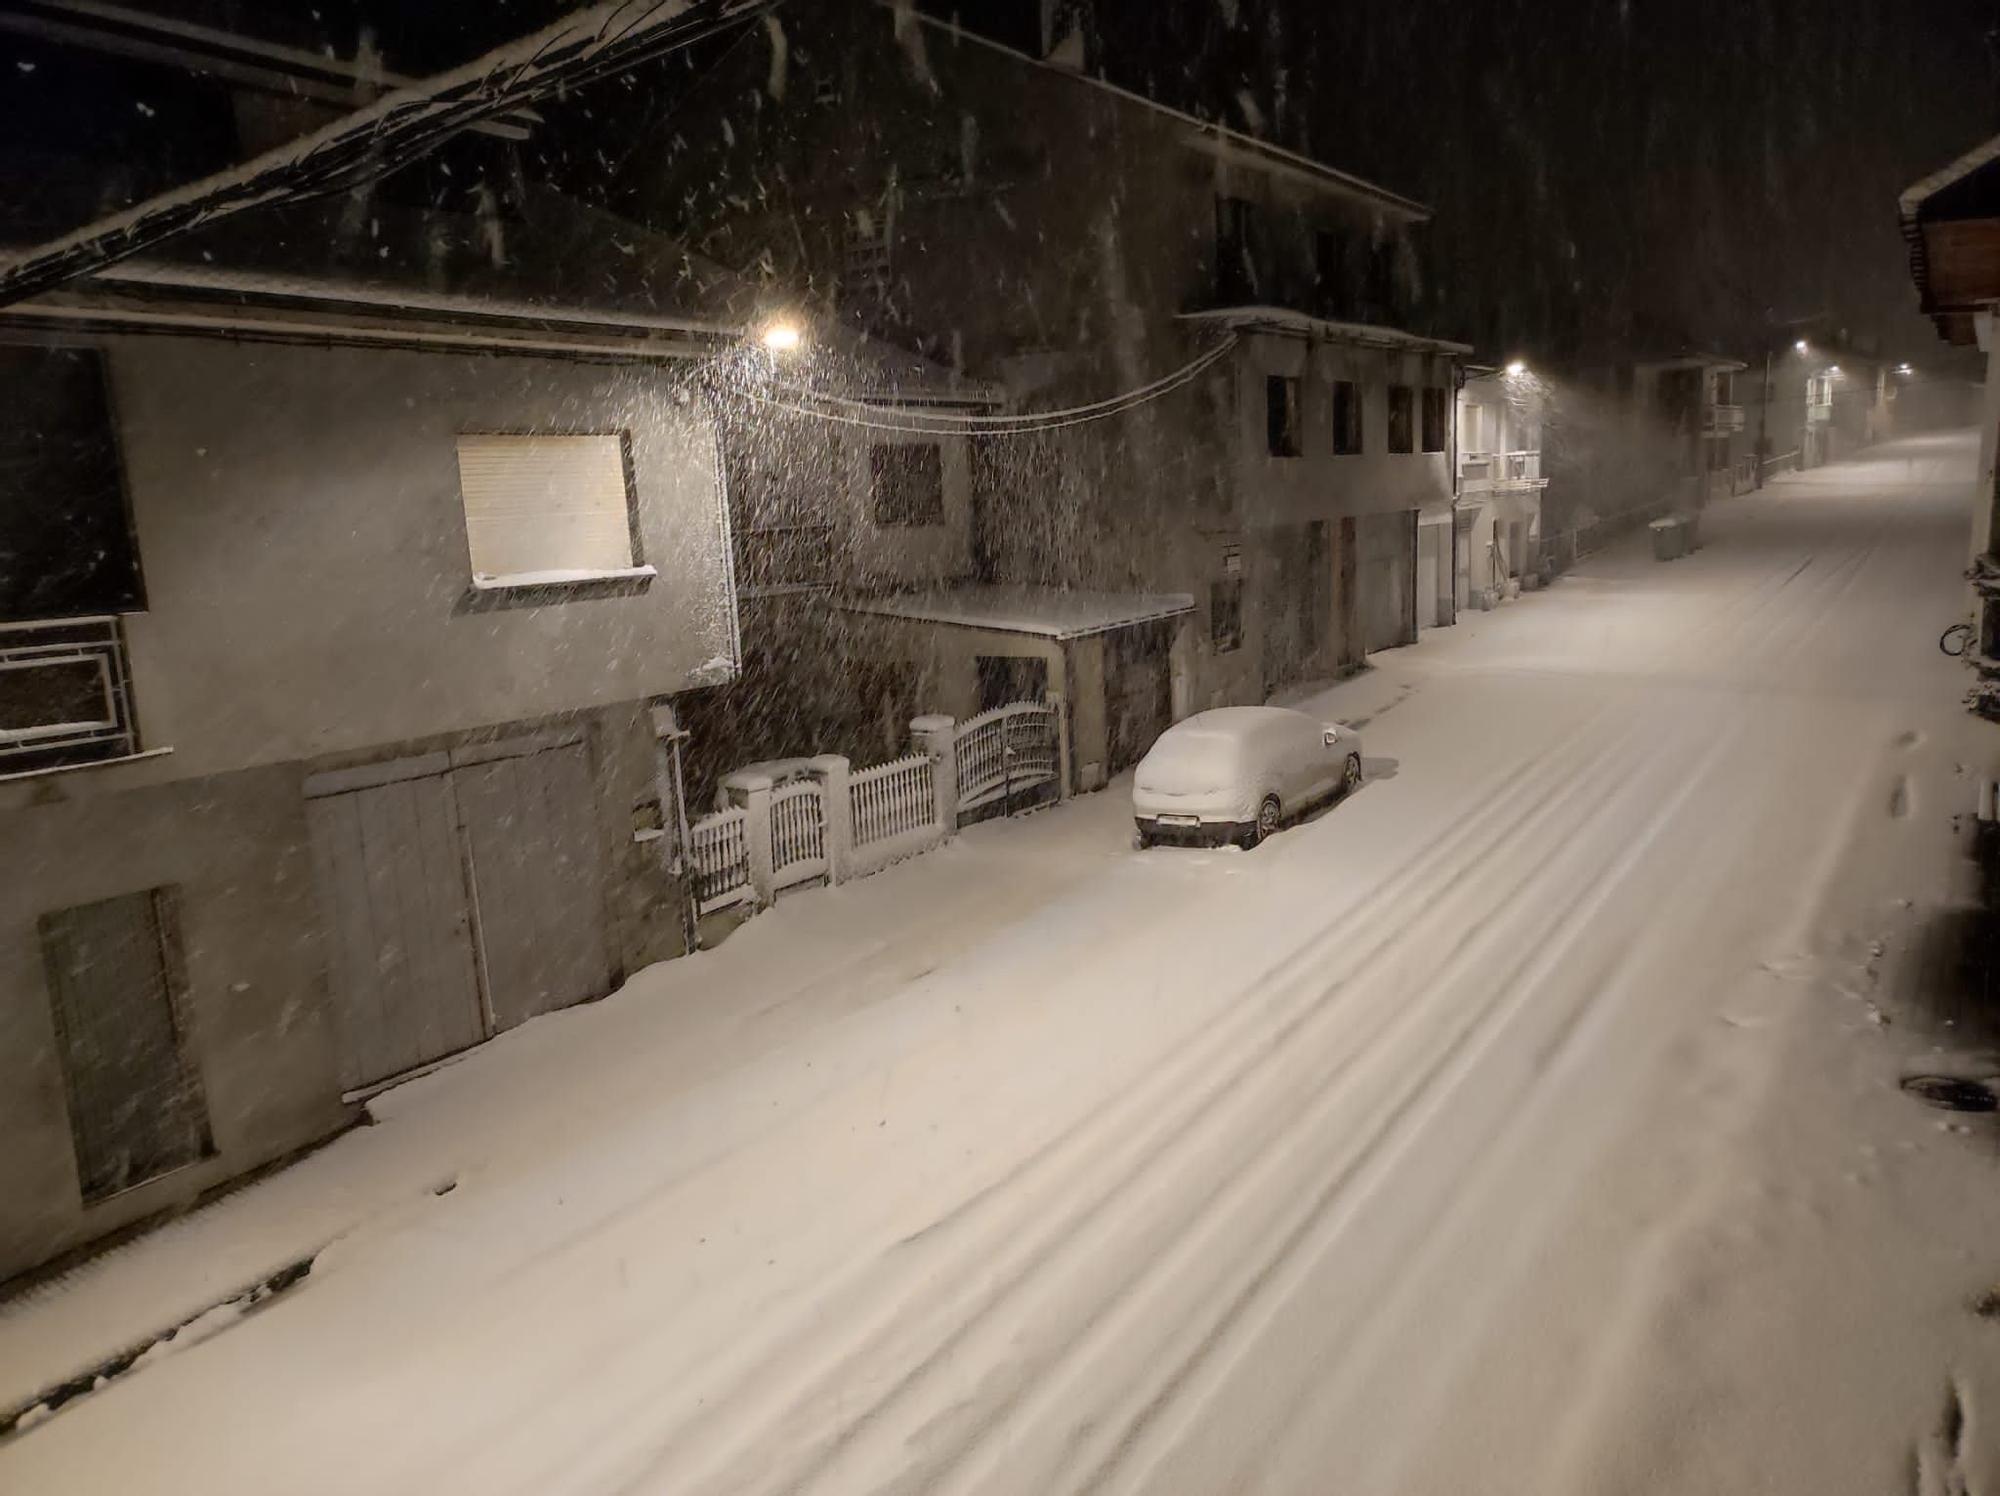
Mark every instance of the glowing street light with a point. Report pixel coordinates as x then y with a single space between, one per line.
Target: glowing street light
1833 369
1799 346
1517 368
1904 369
781 337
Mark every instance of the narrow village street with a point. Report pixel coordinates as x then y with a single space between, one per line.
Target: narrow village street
1527 1123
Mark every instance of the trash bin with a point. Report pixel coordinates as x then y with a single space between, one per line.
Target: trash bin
1669 539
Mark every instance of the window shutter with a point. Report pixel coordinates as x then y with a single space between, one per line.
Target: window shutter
541 504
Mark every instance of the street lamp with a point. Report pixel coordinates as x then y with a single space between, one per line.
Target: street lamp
1517 368
781 337
1799 346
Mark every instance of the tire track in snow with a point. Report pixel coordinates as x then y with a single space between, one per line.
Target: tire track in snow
1462 844
1260 1294
1275 1122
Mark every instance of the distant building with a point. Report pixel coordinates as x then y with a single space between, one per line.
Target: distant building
1951 221
1043 232
1501 416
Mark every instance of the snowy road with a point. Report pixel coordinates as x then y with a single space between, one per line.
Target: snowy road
1518 1126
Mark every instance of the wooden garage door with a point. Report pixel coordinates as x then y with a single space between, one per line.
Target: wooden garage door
404 983
463 899
537 881
1388 578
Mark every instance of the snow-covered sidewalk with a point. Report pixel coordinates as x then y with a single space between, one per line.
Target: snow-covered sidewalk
1522 1124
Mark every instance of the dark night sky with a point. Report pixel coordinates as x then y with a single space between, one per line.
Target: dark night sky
1609 171
1638 172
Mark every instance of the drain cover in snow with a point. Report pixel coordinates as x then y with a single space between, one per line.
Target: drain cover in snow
1952 1093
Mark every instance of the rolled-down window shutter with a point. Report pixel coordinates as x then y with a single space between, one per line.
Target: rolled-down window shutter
536 505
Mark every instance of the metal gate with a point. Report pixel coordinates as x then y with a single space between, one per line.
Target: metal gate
1008 759
798 834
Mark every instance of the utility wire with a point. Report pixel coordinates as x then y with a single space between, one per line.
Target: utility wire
843 410
395 130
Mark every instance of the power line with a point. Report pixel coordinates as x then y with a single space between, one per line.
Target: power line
842 410
395 130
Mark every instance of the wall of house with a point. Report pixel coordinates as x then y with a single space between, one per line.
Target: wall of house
883 557
258 1031
303 541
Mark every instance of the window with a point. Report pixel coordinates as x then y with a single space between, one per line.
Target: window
1329 260
865 245
1225 614
1346 417
1281 415
115 989
543 510
1235 263
1402 414
1434 420
66 546
1472 429
908 483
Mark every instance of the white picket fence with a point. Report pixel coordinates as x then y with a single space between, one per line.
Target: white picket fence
800 820
893 813
721 859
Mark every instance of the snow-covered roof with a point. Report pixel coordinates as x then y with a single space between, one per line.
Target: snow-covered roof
1051 612
322 289
1920 192
1305 325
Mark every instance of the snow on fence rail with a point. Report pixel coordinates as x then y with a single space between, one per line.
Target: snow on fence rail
791 820
892 800
1007 751
721 859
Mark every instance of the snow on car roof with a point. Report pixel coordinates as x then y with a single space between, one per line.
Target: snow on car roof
1235 721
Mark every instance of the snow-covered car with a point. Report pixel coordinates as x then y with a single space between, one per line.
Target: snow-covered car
1238 773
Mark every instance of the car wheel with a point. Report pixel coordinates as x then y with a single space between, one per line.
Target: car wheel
1350 777
1268 816
1144 839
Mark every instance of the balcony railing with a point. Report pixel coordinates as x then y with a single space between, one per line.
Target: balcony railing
1719 420
1500 472
65 694
777 559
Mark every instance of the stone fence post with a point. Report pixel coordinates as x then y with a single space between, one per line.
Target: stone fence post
837 828
937 739
751 790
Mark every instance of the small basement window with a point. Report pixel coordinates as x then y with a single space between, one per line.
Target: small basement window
1435 421
907 483
1346 418
1281 415
116 987
1402 418
1225 614
548 510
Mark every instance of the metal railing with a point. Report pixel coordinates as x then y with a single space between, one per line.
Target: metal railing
65 694
1500 472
